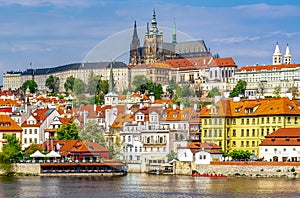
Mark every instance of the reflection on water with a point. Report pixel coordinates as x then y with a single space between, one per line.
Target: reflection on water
142 185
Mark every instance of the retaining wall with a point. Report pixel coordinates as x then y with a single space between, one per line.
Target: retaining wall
241 169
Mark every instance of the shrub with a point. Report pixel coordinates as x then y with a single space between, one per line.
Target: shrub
293 169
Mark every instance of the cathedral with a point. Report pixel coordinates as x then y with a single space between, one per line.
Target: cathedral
155 50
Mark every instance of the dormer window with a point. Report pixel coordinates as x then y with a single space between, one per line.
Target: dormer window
213 110
237 110
273 139
175 115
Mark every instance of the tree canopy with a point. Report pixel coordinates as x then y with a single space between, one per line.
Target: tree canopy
31 85
11 150
69 131
214 92
139 81
239 89
69 84
79 86
92 132
33 147
52 83
240 154
277 91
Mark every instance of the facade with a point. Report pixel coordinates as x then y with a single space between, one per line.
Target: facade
82 71
243 124
35 125
8 127
263 79
156 50
200 153
281 146
12 80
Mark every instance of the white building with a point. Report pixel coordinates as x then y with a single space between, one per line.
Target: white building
34 126
281 146
262 79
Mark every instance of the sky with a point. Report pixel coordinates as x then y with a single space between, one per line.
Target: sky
49 33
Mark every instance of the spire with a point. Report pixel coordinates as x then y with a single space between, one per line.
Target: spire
111 79
154 29
287 56
135 43
174 34
277 56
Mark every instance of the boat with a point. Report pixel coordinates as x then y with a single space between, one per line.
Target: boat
211 175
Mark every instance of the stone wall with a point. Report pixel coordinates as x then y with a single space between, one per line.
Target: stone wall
24 168
185 168
134 168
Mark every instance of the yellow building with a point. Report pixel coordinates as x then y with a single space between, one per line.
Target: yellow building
8 127
243 124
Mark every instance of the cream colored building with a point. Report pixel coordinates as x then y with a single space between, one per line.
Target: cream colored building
77 70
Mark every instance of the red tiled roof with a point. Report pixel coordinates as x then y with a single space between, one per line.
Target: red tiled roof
283 137
267 67
269 106
40 115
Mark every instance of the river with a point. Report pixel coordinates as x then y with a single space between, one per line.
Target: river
143 185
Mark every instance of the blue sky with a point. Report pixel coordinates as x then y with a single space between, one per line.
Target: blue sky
49 33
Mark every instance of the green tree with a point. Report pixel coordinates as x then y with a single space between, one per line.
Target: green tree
92 132
79 86
239 89
184 91
69 131
31 85
240 154
277 91
33 147
69 84
172 155
158 91
102 86
11 150
52 83
140 81
92 83
171 88
214 92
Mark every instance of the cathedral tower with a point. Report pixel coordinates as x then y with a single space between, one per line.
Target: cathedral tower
153 41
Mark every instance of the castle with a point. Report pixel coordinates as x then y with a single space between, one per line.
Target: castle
154 49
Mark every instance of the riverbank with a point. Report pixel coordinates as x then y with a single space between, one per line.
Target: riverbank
246 169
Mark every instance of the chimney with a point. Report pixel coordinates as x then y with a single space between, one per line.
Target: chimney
181 106
174 106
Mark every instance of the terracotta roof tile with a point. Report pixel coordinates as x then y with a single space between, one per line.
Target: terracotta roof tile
8 124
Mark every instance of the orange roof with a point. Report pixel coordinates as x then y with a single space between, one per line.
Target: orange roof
170 114
121 118
40 115
206 146
223 62
9 102
248 107
283 137
267 67
8 125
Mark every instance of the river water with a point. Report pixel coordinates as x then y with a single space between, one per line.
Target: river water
143 185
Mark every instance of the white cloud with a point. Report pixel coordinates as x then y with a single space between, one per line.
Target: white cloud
237 39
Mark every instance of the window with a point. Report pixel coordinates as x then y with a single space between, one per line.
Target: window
35 140
233 121
242 143
248 133
35 131
30 131
25 140
220 121
253 143
215 133
220 133
253 132
233 144
234 133
266 150
262 132
262 120
242 122
248 121
242 133
25 131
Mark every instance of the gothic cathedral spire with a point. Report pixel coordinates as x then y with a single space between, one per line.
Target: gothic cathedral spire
134 47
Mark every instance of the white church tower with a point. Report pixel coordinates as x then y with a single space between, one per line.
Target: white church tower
287 56
111 98
277 56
